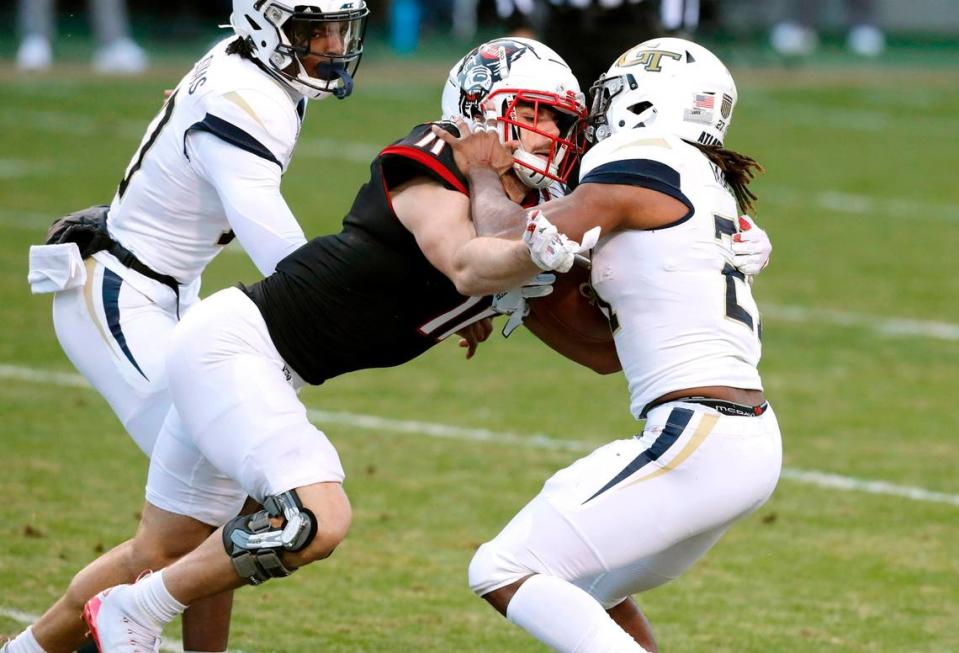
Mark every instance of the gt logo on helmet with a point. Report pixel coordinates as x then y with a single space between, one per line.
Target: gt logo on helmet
649 59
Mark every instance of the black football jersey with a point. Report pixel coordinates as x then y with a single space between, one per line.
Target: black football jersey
367 296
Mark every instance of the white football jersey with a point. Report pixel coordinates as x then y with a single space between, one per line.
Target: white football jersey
165 211
683 316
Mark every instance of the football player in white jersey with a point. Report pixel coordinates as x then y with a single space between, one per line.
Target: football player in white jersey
207 169
636 513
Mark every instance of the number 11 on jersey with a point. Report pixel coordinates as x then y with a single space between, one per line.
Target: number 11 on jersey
432 143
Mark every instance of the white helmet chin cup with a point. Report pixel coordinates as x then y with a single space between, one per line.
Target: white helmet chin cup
674 85
533 170
281 33
494 78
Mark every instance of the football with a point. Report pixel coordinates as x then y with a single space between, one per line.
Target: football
569 321
571 309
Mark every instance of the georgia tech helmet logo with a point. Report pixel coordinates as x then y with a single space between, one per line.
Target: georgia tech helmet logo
486 65
649 59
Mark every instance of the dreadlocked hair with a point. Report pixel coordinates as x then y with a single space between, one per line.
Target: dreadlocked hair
738 170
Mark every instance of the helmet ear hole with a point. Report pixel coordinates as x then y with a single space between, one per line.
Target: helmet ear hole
639 107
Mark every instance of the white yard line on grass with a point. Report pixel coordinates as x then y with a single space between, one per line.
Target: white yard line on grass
327 148
855 120
71 123
878 324
18 168
842 119
849 483
831 201
876 112
26 220
538 441
18 616
835 201
885 326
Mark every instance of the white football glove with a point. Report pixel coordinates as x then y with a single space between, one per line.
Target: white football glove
551 250
513 302
751 247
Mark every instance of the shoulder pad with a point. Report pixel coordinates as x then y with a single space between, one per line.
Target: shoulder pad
635 144
244 100
254 121
427 153
639 158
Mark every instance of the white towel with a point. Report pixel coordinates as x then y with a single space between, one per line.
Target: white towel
56 267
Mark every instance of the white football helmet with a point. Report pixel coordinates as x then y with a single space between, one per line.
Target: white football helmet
667 83
494 78
281 32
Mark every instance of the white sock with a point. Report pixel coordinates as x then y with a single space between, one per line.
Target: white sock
566 618
155 602
25 642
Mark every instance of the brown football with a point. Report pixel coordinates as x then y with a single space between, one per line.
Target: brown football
569 309
569 322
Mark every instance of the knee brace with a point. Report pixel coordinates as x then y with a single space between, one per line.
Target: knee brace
255 543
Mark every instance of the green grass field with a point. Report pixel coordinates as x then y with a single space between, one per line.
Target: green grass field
858 550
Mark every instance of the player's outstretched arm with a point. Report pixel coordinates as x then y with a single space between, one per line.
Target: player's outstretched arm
480 151
439 220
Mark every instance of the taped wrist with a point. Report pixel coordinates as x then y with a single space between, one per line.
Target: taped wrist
255 543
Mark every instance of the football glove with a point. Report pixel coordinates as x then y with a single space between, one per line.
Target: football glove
513 302
551 250
751 247
86 228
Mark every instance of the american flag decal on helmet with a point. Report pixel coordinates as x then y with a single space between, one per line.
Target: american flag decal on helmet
727 106
704 101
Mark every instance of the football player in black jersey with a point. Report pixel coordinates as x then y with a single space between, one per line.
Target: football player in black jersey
403 274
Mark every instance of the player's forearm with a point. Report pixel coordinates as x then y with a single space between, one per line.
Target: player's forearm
484 266
266 229
494 214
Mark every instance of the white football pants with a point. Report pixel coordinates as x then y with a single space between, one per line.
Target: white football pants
636 513
116 335
237 427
